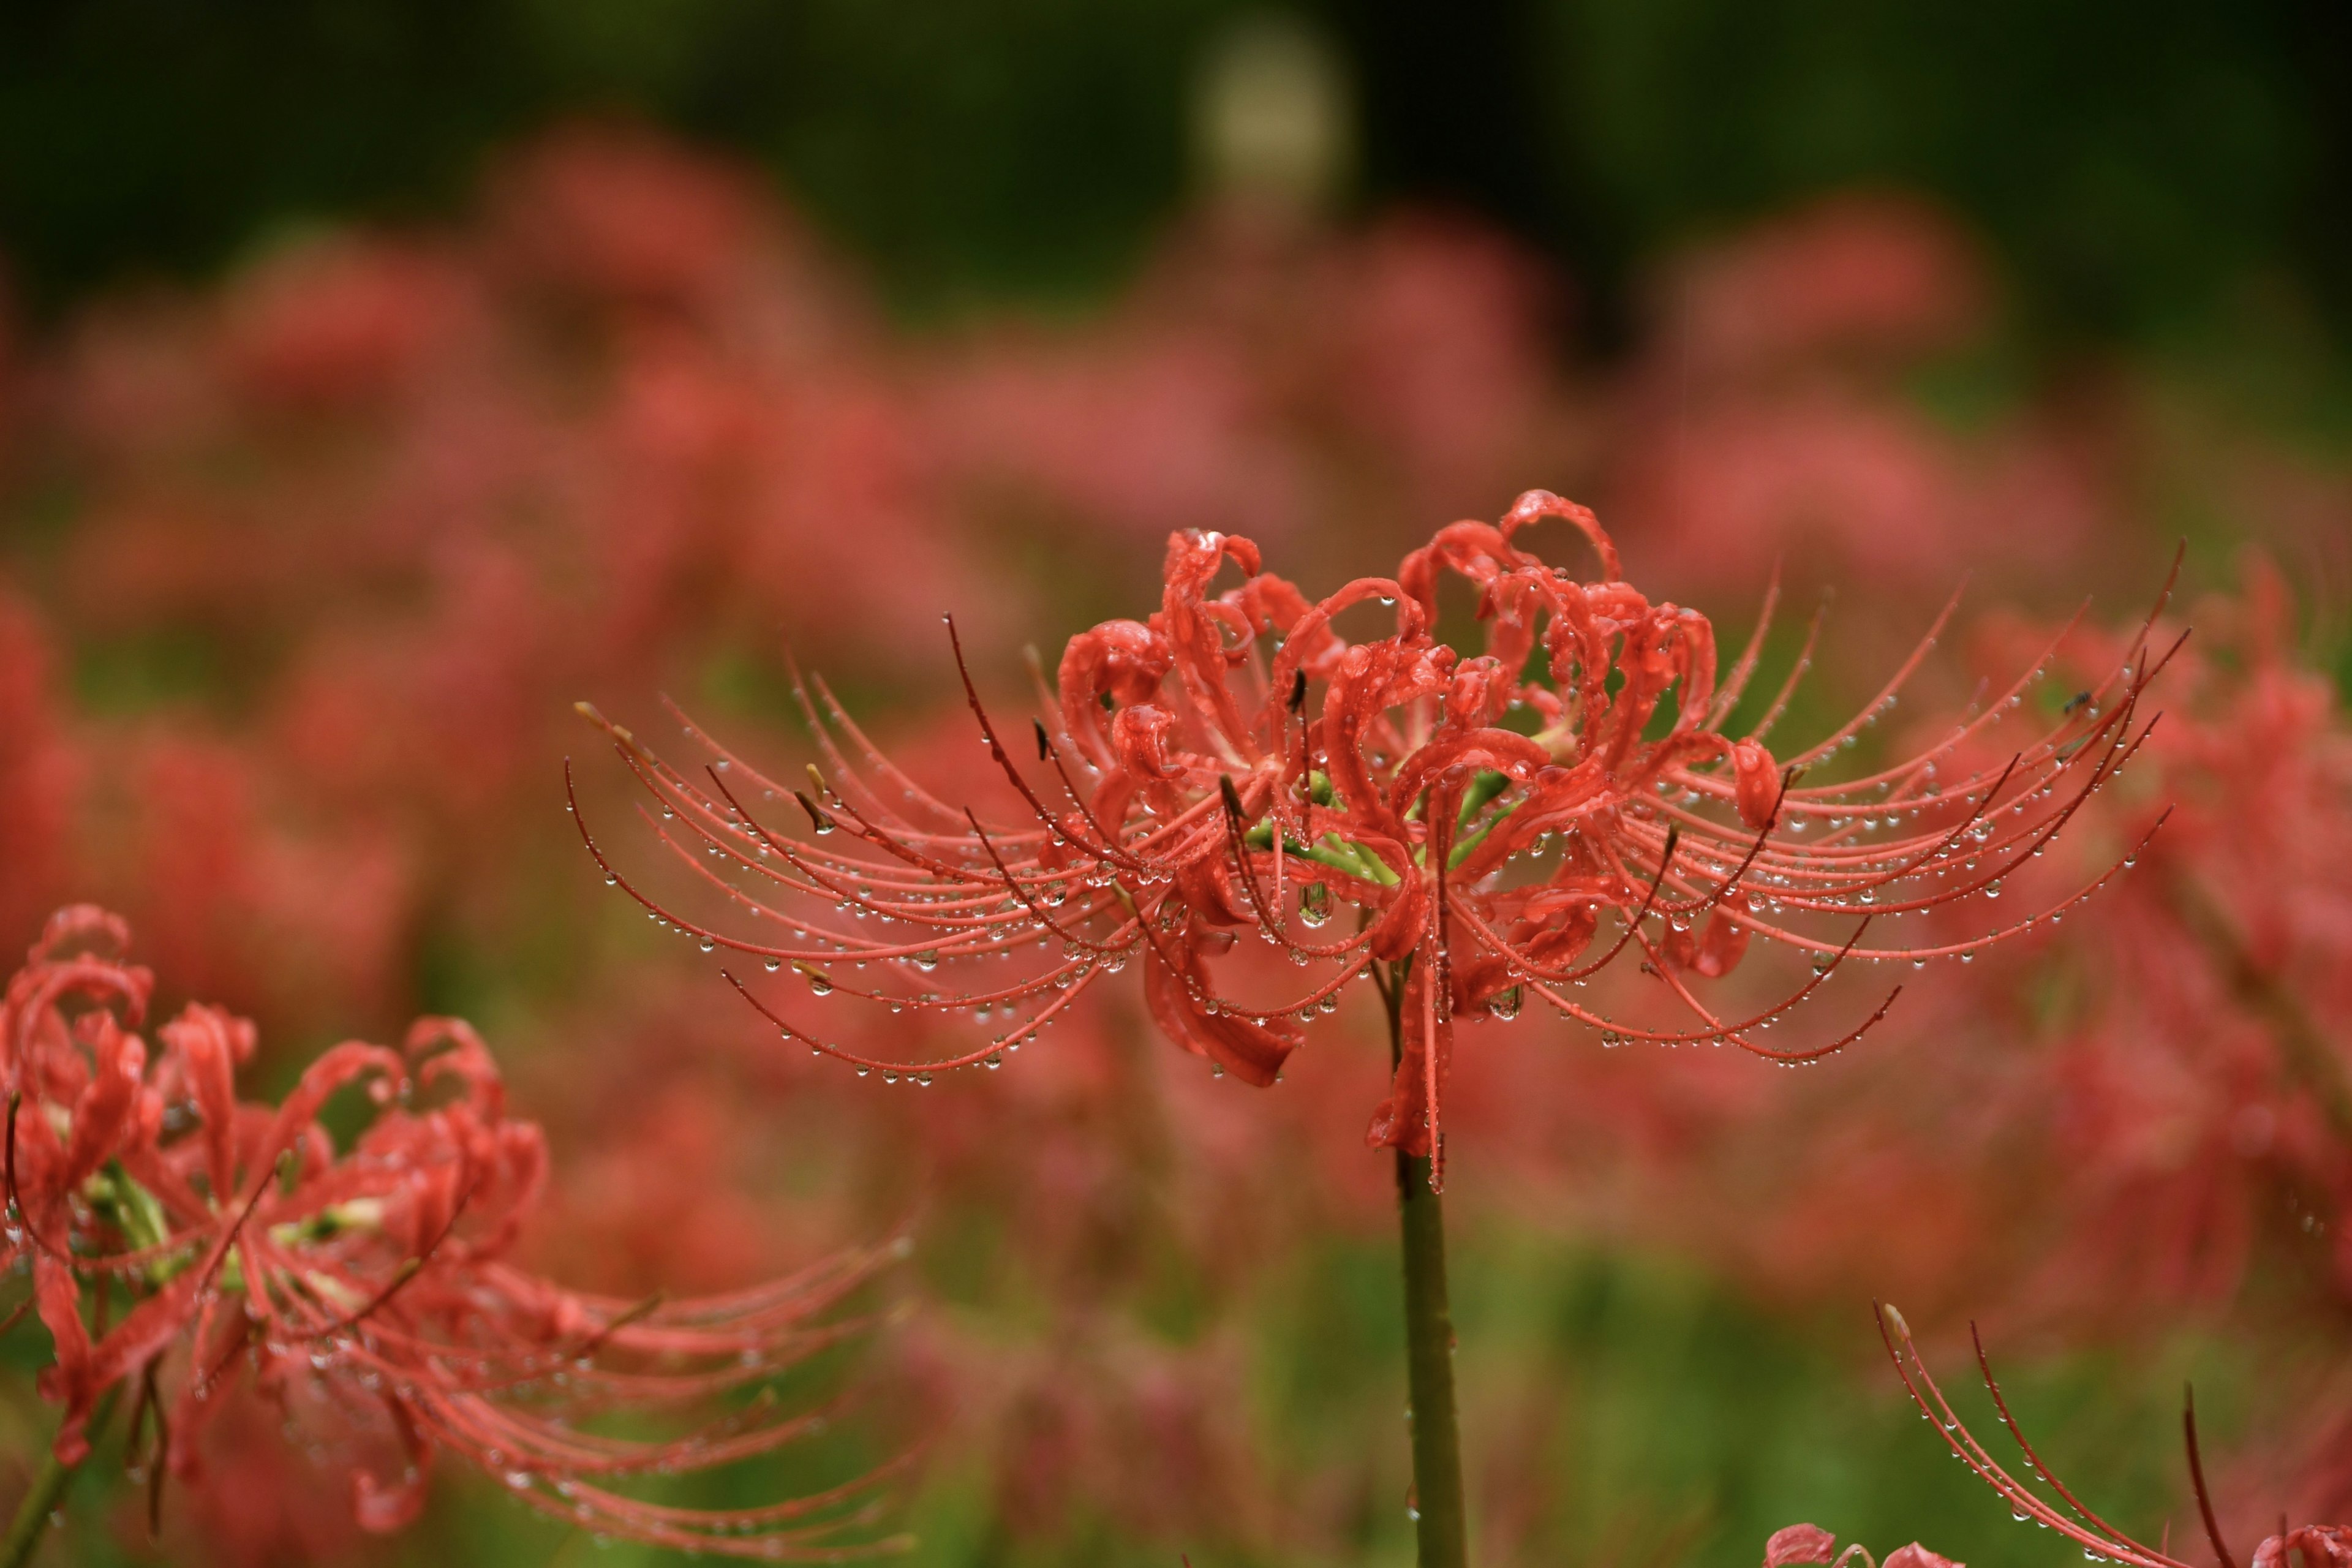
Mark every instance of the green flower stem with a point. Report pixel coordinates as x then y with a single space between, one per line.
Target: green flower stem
1440 1520
26 1531
32 1522
1429 1358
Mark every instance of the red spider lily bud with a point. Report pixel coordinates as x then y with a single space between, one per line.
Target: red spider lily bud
1507 821
1798 1543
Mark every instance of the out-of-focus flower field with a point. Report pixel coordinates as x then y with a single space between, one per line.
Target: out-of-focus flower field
301 574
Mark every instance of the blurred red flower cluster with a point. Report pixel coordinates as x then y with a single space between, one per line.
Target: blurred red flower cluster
363 1292
304 571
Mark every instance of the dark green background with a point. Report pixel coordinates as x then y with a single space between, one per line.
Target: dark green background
2139 166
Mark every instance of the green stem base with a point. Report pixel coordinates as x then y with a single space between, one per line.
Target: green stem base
1439 1516
32 1522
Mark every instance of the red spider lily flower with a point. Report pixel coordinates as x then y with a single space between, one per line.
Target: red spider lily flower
369 1285
2101 1542
1807 1543
1501 822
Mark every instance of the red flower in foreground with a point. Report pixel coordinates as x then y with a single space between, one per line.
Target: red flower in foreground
365 1291
2330 1545
1501 822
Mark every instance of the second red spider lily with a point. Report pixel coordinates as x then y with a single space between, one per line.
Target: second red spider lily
1501 822
367 1292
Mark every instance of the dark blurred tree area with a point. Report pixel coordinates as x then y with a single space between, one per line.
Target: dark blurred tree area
2138 168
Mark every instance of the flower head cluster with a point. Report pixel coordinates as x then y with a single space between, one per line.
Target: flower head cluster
178 1235
2208 1071
1498 823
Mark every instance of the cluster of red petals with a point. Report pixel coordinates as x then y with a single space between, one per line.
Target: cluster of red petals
1499 823
2212 1070
1808 1543
2329 1544
369 1283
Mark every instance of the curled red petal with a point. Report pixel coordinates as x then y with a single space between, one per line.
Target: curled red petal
1537 504
1917 1556
206 1039
383 1507
1124 660
1139 739
106 1106
1407 1118
1251 1051
72 1380
86 923
1756 782
1398 930
1798 1543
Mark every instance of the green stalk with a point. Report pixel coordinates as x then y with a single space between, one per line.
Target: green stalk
1440 1520
26 1531
32 1521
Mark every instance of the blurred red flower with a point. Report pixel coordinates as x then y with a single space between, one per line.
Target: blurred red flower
365 1289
